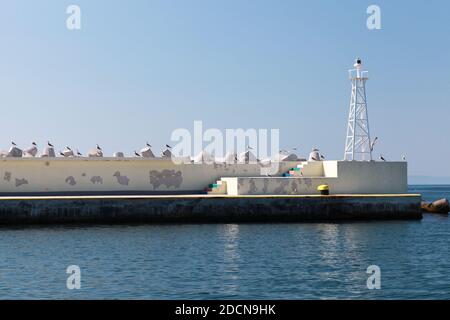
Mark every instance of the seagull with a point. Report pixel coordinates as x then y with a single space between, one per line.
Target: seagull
148 145
373 143
34 144
62 154
381 158
168 146
68 148
136 154
13 143
49 144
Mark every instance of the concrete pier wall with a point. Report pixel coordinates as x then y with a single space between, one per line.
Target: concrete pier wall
206 209
342 177
115 175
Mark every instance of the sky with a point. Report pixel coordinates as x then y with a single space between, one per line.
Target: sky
138 70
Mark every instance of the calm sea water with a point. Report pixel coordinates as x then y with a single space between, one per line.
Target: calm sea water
251 261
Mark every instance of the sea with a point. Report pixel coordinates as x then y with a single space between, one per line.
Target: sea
351 260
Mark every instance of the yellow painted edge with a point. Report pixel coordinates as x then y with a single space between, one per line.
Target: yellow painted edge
94 197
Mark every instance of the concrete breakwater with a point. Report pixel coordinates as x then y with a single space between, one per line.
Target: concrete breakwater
205 209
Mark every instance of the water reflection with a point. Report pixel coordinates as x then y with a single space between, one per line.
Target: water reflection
231 257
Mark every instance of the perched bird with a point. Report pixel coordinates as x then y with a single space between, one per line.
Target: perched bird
136 154
382 158
147 151
32 151
372 145
67 152
168 146
49 144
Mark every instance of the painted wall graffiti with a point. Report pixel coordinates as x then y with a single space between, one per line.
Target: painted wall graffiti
20 182
97 180
122 180
168 178
71 180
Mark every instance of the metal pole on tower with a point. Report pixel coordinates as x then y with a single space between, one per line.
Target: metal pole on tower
358 143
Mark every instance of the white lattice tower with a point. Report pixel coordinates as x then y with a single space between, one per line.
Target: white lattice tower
358 143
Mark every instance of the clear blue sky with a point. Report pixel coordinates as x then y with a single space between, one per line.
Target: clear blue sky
139 69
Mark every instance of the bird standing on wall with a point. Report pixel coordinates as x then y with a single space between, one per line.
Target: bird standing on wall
382 158
32 151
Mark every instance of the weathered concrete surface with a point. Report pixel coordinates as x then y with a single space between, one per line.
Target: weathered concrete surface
342 177
21 176
206 209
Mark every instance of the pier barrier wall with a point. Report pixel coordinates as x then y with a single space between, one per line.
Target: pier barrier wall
206 209
342 177
115 175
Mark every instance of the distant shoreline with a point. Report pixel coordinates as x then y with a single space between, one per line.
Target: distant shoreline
428 180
